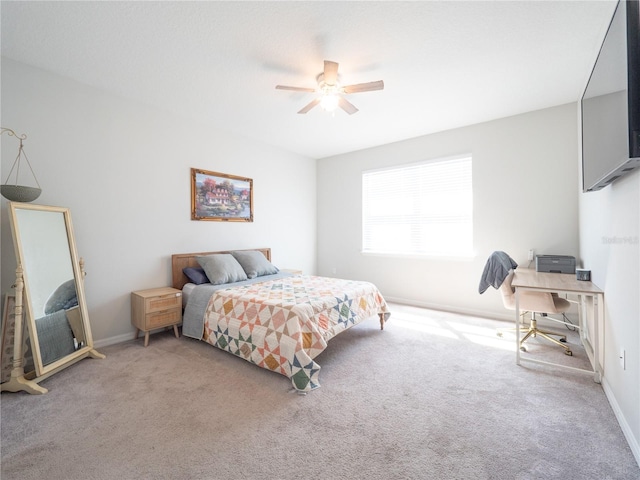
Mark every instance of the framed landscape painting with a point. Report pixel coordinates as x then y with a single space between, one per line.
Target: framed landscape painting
221 197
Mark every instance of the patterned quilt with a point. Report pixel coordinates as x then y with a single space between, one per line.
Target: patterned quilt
282 325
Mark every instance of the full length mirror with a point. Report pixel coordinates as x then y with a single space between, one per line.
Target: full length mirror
53 296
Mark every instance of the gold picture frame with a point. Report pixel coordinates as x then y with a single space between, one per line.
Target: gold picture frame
221 197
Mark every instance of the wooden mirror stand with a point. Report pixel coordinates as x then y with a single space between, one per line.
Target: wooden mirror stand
49 297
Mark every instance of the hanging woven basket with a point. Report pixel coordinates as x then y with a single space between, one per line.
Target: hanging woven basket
20 193
15 192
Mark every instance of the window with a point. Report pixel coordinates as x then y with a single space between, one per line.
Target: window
419 209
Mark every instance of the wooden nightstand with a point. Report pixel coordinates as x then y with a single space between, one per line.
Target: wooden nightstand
291 270
156 308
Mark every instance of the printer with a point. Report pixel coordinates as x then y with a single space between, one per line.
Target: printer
555 263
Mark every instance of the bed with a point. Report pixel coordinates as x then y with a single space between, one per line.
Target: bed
274 319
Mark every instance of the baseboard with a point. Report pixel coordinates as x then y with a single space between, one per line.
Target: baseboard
105 342
125 337
507 316
622 421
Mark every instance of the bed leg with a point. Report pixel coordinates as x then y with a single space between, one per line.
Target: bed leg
381 321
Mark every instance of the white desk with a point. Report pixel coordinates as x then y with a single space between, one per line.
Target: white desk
591 310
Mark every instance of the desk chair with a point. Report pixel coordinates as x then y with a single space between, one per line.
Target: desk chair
535 302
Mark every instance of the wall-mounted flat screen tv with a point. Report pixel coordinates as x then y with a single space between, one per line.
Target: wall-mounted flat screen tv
611 103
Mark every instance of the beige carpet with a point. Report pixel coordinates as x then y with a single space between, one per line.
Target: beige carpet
434 396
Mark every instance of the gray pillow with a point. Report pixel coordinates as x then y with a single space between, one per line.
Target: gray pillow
195 275
254 263
221 268
62 298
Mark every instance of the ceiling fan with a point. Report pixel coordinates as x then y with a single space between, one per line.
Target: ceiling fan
331 92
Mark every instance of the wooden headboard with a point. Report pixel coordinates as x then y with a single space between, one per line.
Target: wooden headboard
184 260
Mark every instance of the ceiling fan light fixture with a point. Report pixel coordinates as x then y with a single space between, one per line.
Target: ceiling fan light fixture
331 91
329 102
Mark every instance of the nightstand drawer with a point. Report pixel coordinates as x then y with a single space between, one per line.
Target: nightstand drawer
164 302
163 319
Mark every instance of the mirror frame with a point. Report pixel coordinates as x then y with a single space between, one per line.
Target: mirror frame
43 371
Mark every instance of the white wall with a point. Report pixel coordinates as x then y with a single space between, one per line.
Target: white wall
525 185
610 246
124 171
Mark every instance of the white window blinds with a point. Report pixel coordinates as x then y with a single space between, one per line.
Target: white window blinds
419 209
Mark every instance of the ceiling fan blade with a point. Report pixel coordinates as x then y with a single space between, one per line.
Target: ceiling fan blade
348 107
295 89
310 105
330 72
364 87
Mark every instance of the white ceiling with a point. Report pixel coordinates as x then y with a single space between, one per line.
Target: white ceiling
445 64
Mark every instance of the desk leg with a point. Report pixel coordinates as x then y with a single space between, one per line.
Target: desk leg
584 315
517 326
590 323
598 322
